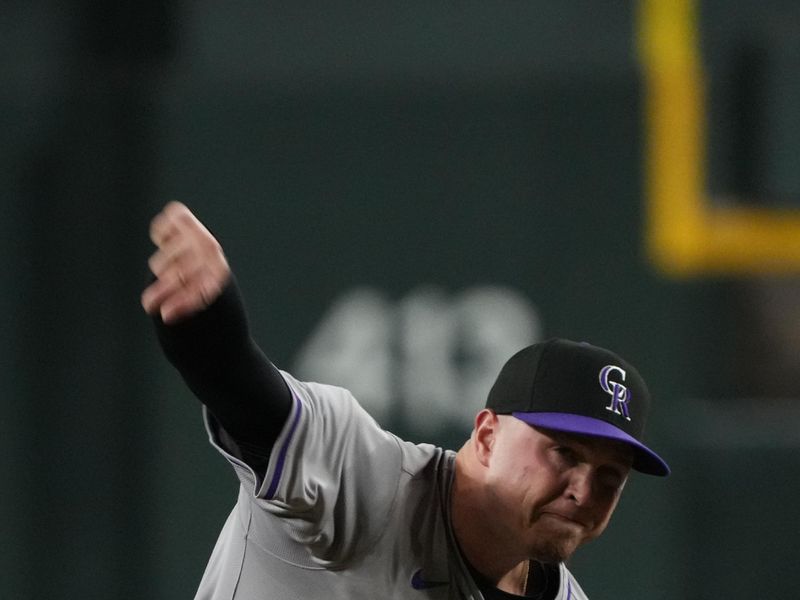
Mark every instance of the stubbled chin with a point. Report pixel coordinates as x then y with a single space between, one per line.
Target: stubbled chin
554 539
551 551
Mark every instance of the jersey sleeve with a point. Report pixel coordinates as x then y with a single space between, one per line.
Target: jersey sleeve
228 372
332 476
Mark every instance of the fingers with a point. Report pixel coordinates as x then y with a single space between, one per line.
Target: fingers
156 294
175 218
189 265
179 255
176 301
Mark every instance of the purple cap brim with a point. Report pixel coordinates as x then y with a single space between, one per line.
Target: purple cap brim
644 461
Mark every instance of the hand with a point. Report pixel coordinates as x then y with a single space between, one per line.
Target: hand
189 265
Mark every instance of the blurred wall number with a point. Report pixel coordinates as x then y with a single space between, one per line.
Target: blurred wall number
427 360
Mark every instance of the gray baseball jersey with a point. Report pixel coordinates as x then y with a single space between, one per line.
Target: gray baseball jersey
345 510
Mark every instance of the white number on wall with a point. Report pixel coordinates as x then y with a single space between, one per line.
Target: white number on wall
428 359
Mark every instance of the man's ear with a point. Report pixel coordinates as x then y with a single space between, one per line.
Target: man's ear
485 435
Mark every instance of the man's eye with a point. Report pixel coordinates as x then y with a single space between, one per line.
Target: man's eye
612 481
566 453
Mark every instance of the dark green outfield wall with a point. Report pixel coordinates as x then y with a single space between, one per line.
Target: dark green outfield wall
407 191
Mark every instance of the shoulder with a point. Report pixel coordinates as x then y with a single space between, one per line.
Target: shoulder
313 390
335 416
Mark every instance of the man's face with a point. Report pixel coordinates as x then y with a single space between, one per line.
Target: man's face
554 491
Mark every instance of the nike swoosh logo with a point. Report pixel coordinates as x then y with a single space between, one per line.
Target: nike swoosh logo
420 583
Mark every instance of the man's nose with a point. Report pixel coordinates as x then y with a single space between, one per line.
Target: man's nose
580 487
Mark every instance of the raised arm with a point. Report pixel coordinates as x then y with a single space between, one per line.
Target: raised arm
202 327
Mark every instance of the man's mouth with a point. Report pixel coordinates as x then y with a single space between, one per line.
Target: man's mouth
567 519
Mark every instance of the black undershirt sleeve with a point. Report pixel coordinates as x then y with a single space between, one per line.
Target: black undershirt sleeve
228 372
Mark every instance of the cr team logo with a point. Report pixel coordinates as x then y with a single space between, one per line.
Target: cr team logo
620 395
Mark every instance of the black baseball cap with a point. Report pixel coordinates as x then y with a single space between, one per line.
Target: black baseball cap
576 387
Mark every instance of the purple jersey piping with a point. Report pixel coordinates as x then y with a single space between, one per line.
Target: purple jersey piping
276 476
